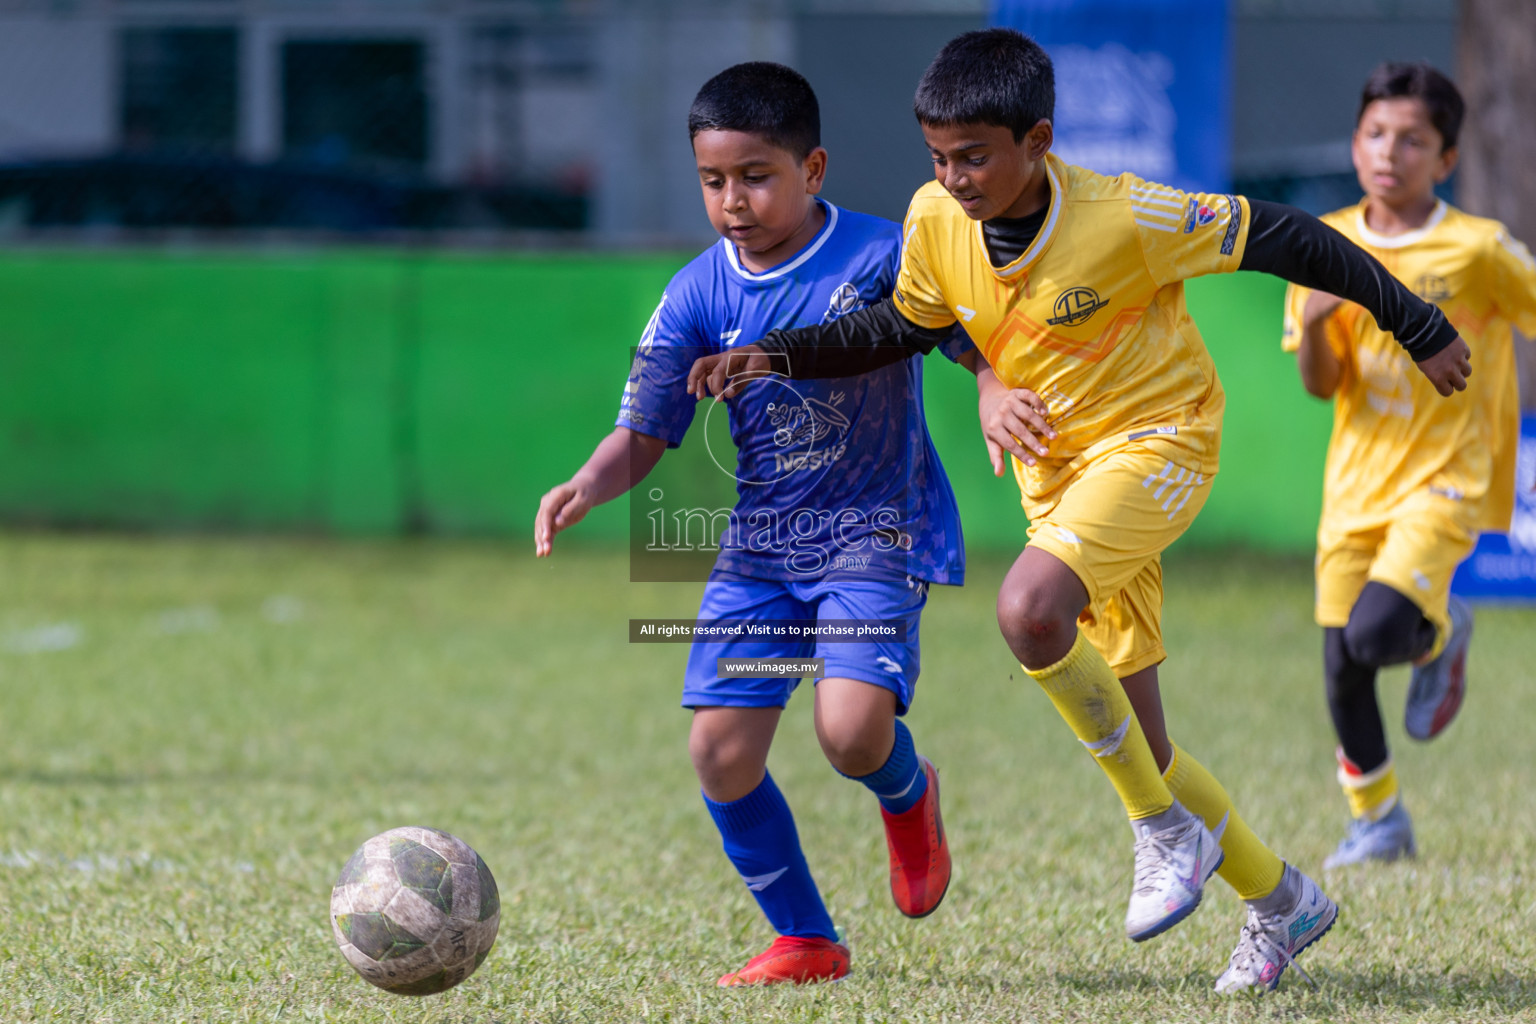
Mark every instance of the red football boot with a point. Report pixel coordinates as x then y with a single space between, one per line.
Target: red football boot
794 960
919 851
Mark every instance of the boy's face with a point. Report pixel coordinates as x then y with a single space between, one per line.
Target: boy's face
988 173
1398 152
758 195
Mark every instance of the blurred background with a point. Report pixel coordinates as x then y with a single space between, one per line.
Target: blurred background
375 266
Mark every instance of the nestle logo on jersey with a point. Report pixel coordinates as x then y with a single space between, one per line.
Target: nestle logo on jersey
1197 215
808 460
1075 305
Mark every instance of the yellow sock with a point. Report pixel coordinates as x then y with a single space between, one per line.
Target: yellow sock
1250 867
1087 694
1371 794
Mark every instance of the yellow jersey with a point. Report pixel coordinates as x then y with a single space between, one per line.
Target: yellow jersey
1091 316
1394 436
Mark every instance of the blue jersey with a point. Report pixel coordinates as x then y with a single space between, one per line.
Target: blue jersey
833 477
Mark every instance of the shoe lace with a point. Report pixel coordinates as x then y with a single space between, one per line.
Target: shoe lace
1255 947
1154 859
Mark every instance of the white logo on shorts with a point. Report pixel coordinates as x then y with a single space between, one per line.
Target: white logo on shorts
889 665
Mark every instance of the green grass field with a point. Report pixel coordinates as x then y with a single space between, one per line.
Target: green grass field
195 734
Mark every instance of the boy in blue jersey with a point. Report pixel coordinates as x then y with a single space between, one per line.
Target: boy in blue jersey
843 511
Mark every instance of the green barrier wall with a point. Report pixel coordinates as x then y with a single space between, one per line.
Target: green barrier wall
390 392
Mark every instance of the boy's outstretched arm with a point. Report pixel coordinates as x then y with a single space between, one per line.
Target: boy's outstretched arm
864 340
620 461
1294 245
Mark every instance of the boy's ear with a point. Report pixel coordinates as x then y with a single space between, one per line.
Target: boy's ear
815 167
1448 157
1039 138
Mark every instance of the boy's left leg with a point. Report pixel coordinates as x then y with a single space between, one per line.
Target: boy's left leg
868 686
1062 611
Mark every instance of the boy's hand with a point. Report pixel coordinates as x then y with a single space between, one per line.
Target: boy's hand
561 508
1449 368
726 373
1012 420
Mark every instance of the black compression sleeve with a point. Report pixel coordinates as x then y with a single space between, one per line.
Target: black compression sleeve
864 340
1288 243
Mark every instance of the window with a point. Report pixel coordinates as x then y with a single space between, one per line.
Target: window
355 102
178 89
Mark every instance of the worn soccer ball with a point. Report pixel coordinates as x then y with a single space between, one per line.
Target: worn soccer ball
415 911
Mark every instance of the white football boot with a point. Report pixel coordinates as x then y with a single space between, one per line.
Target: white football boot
1175 854
1271 940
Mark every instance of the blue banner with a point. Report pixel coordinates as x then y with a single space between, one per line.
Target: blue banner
1503 565
1141 85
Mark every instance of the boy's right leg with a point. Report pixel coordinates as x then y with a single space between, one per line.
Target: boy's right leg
729 747
1370 623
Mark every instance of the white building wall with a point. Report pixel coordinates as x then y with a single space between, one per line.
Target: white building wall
58 89
652 63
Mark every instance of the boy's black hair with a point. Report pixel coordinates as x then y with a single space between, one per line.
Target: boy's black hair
1422 82
769 100
991 76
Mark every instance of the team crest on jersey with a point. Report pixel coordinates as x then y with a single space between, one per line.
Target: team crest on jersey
844 301
1197 215
1075 306
1432 288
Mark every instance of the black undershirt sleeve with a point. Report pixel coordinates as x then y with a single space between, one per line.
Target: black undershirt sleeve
864 340
1288 243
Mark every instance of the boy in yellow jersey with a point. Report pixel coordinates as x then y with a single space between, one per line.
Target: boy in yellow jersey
1410 479
1070 283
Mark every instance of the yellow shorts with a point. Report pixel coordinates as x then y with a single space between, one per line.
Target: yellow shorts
1415 554
1109 523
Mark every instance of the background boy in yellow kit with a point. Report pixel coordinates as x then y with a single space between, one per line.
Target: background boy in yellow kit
1410 479
1070 283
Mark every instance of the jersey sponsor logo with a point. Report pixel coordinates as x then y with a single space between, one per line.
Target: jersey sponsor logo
845 299
1197 215
1075 306
1235 221
1432 288
966 313
809 422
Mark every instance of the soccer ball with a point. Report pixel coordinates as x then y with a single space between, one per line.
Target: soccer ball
415 911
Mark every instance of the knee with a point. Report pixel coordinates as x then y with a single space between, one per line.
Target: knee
718 760
1037 632
855 749
1382 633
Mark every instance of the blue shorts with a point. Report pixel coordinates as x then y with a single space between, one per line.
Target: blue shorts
893 665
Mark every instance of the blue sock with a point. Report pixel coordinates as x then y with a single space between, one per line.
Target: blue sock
759 835
901 782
